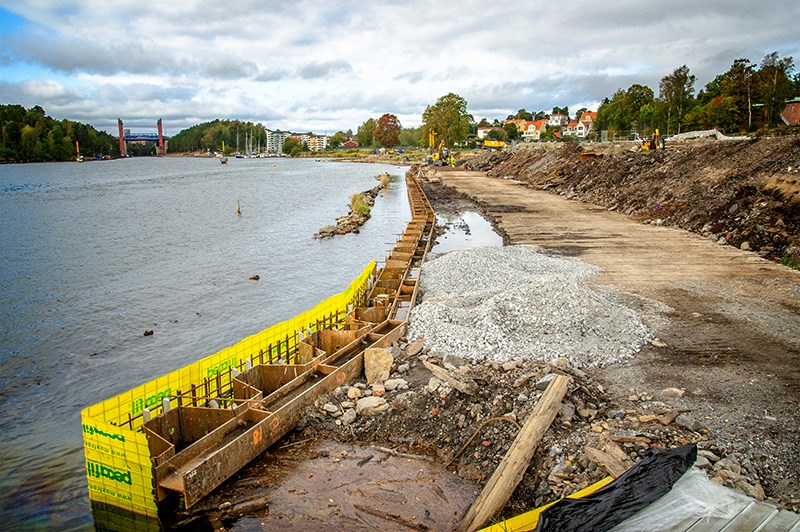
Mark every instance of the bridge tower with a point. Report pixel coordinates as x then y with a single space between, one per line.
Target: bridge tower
123 148
161 146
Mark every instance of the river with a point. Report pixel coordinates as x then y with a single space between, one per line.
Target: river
93 255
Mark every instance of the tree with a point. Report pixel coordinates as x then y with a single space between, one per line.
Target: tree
410 137
499 134
336 140
522 114
635 98
387 131
292 146
448 119
365 133
676 91
774 84
511 130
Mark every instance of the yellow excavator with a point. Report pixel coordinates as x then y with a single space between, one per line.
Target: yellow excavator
656 142
441 156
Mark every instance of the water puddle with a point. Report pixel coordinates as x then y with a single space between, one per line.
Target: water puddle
334 486
464 230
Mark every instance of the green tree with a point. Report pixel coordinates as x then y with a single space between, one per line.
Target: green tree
677 91
499 134
775 85
511 131
365 136
522 114
635 98
410 137
387 130
336 140
448 119
292 146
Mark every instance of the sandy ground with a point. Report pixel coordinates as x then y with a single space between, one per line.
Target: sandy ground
731 329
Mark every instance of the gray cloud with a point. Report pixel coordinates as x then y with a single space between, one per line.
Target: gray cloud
317 70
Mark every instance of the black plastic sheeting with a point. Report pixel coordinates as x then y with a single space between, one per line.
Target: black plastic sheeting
638 487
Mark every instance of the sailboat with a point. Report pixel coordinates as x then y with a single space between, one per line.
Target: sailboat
79 157
222 158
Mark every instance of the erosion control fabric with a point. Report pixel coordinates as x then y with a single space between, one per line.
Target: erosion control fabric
637 488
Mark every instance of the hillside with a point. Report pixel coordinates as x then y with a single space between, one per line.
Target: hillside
745 193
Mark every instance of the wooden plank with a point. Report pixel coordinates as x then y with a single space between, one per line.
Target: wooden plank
511 469
468 388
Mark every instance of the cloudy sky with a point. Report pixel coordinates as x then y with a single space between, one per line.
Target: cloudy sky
329 65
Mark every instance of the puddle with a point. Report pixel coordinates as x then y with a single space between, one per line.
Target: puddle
465 230
328 485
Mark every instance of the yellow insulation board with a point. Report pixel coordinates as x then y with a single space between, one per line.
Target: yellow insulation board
118 466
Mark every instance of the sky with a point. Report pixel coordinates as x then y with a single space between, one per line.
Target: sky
329 65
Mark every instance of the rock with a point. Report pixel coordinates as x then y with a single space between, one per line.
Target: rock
148 332
522 380
751 490
403 368
709 455
348 417
702 462
745 246
511 365
730 464
689 423
330 408
566 412
354 393
370 406
415 347
673 392
433 385
393 384
377 364
647 418
254 277
378 390
542 383
344 405
655 342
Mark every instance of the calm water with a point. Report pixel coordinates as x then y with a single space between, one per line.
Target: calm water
94 254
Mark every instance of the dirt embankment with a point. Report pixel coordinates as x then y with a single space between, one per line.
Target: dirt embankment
745 194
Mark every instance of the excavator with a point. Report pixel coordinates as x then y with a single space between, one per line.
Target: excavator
656 142
440 157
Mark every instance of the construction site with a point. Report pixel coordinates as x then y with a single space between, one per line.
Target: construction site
645 301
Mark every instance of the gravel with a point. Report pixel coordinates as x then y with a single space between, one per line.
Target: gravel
514 302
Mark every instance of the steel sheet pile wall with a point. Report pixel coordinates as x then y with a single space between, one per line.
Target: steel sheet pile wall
118 462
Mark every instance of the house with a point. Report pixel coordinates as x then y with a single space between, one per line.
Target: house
533 130
791 112
558 120
585 124
350 144
318 142
572 129
521 123
484 131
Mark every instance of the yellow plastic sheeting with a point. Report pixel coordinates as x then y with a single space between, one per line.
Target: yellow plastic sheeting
528 520
118 465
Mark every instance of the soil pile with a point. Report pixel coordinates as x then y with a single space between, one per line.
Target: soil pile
745 193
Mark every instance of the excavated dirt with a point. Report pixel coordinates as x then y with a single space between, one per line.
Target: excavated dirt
743 193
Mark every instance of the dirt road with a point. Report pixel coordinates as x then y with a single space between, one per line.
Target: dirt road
731 324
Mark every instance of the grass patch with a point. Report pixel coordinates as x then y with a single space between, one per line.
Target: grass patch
791 262
358 204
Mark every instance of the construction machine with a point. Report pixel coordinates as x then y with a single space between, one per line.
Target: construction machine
656 142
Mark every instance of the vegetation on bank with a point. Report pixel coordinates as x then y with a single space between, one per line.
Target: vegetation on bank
29 135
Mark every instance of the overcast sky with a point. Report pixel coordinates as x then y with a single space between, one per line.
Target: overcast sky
328 65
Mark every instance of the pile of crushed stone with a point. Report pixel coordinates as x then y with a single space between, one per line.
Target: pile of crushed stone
514 302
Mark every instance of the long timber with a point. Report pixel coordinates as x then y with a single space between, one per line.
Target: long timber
196 447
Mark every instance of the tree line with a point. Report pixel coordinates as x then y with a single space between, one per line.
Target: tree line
29 135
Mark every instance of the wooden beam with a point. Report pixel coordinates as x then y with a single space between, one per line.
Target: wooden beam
508 474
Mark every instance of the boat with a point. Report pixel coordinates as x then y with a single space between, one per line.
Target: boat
222 158
79 157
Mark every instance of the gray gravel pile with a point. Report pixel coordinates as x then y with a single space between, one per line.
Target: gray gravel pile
504 303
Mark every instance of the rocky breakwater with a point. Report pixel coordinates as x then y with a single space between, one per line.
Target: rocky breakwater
361 205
